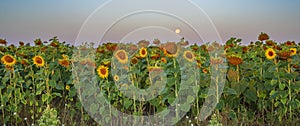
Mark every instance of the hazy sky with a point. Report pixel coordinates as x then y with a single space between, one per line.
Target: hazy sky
26 20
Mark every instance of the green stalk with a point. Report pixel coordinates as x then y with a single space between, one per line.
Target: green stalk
12 76
176 93
2 106
290 93
33 86
110 110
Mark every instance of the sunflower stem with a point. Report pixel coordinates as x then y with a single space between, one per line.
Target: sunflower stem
290 93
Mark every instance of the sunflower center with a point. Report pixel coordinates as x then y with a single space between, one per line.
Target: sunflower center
38 60
9 59
103 71
270 53
143 52
189 55
121 55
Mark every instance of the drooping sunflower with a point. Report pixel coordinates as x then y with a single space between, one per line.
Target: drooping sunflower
293 51
189 56
64 62
116 78
143 52
38 61
270 53
8 60
263 36
102 71
121 56
171 49
235 60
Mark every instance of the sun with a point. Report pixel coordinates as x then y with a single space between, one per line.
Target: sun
177 31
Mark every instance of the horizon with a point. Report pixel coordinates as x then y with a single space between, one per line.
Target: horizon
27 20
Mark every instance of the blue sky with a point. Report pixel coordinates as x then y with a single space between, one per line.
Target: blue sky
27 20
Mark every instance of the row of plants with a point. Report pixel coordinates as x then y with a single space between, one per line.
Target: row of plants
54 83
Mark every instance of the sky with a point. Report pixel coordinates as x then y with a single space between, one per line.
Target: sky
132 20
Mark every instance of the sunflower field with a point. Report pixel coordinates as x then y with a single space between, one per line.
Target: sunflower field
45 84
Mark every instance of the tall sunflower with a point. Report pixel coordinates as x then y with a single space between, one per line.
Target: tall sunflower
121 56
270 53
8 60
188 55
143 52
102 71
38 61
293 51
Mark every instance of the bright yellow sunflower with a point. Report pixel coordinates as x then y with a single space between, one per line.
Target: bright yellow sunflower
293 51
121 56
67 87
116 78
102 71
188 55
270 54
8 60
143 52
38 61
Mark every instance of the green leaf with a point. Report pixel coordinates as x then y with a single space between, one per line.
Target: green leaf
281 86
231 91
190 99
94 108
250 95
232 114
127 103
185 107
44 97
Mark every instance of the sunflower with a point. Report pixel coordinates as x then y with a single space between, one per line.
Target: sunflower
8 60
106 63
188 55
64 62
235 60
270 54
102 71
205 70
121 56
67 87
11 68
263 36
164 60
39 61
116 78
293 51
24 62
143 52
134 60
171 49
